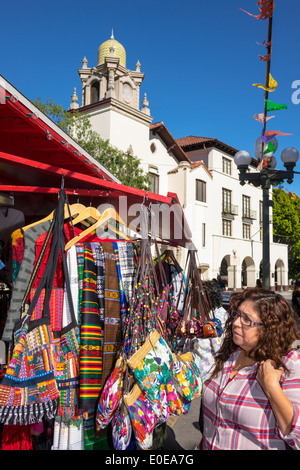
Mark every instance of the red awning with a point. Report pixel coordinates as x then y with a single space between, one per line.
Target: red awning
36 157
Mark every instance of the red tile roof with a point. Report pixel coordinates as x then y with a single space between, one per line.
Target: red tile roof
192 142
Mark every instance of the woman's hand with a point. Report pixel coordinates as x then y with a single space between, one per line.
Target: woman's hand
269 379
267 376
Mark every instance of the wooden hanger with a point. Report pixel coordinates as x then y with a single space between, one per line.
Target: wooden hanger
107 215
74 210
87 213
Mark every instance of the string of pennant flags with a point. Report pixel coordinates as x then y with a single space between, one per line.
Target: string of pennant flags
266 8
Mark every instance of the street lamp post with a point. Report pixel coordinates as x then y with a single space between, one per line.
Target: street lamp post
267 177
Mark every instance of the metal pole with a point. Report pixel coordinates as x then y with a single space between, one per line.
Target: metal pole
266 239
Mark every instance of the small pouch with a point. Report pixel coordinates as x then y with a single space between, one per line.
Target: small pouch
121 428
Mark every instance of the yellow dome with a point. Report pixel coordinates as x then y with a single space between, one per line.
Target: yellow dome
104 51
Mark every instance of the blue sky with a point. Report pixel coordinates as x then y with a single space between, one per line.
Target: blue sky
200 59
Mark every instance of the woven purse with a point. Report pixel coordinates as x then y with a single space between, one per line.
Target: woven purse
28 391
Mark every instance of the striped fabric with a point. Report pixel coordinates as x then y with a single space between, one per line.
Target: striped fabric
112 328
123 300
91 336
55 306
127 265
80 267
237 414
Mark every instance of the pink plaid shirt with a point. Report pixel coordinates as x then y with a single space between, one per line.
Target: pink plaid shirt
237 414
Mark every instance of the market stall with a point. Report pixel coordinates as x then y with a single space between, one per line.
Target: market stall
99 321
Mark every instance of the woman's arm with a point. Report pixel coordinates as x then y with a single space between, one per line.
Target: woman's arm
268 377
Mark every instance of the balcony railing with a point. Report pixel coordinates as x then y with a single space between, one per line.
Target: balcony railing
249 214
230 209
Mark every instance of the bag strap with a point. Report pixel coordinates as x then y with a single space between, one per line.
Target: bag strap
38 264
47 279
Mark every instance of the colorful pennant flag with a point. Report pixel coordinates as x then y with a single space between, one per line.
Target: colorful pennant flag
273 133
271 148
271 106
266 10
265 58
272 84
261 117
266 138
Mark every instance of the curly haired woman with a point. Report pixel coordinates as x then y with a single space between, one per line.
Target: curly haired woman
252 399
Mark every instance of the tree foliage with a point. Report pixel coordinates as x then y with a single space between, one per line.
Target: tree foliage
286 227
123 165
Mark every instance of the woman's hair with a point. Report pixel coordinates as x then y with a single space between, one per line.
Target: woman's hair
296 285
214 293
277 334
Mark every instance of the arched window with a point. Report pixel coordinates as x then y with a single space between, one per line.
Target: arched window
95 92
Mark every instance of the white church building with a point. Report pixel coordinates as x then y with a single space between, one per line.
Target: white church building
225 218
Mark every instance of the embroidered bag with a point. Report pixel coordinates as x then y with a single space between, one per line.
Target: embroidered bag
28 391
152 365
66 351
111 395
142 417
187 377
121 428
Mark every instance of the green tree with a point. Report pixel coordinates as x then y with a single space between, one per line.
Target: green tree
286 227
123 165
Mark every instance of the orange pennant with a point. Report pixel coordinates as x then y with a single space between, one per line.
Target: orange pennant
276 133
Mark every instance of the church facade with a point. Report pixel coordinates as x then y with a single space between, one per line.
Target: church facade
225 218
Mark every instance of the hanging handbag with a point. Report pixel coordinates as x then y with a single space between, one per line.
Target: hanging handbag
28 391
186 376
66 351
121 428
111 395
152 365
142 417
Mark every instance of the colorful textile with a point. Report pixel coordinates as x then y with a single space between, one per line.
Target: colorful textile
123 300
100 270
17 245
73 278
66 356
112 328
127 266
55 306
16 438
80 267
237 414
91 336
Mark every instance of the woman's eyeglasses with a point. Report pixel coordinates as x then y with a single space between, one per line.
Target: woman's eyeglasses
244 319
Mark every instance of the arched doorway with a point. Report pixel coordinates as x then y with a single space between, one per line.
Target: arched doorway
279 274
224 269
248 272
